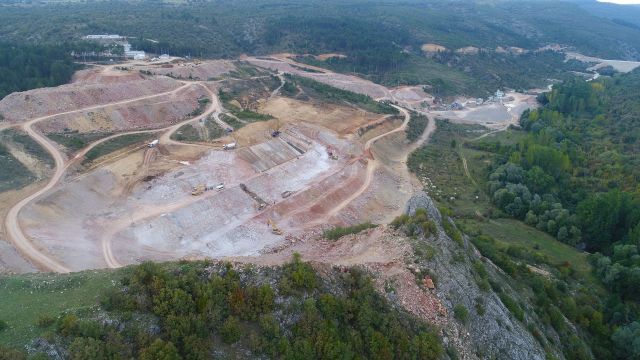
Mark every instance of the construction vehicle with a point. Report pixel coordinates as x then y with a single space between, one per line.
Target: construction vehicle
229 146
275 132
198 189
153 143
201 188
274 228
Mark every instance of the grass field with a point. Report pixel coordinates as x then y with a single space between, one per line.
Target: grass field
232 121
29 145
514 232
27 298
14 175
76 141
117 143
196 133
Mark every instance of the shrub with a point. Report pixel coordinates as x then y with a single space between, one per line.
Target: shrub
461 313
338 231
452 232
160 350
298 276
480 306
44 321
230 330
512 306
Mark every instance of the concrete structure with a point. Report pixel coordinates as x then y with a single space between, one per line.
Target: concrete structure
113 37
133 54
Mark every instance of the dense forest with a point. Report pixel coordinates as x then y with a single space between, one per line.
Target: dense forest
26 67
575 175
381 40
202 310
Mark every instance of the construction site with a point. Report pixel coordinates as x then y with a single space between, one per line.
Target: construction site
273 171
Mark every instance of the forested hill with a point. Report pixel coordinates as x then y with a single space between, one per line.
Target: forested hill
576 175
628 15
382 40
28 67
227 28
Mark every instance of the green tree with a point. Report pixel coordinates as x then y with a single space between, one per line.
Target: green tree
230 330
160 350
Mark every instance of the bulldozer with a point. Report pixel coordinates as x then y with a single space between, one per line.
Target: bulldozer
274 228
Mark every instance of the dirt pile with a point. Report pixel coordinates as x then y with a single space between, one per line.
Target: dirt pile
105 75
188 70
341 81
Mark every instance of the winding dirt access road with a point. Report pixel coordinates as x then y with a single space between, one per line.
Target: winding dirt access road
12 224
373 164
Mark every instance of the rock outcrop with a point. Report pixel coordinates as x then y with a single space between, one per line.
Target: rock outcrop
495 334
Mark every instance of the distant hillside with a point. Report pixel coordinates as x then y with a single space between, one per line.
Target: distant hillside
382 40
627 15
228 28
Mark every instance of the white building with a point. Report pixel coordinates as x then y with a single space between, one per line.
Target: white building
113 37
133 54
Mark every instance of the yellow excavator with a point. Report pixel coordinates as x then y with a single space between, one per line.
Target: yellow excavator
274 228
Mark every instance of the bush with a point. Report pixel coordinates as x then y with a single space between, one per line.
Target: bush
452 232
338 232
461 313
3 325
512 306
416 224
44 321
298 276
415 127
160 350
480 306
230 330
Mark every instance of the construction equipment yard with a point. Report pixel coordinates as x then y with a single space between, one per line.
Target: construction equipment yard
304 166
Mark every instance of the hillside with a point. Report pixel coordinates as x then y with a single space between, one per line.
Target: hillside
381 40
198 310
570 171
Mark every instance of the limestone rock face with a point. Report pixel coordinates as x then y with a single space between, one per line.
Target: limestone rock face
494 335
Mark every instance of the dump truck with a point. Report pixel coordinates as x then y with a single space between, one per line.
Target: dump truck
153 143
229 146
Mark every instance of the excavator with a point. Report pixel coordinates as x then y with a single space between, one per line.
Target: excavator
274 228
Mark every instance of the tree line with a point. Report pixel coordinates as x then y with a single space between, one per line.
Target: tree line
576 176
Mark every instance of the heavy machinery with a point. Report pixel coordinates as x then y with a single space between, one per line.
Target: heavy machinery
274 228
198 189
275 132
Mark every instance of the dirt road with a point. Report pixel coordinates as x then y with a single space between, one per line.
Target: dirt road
373 164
